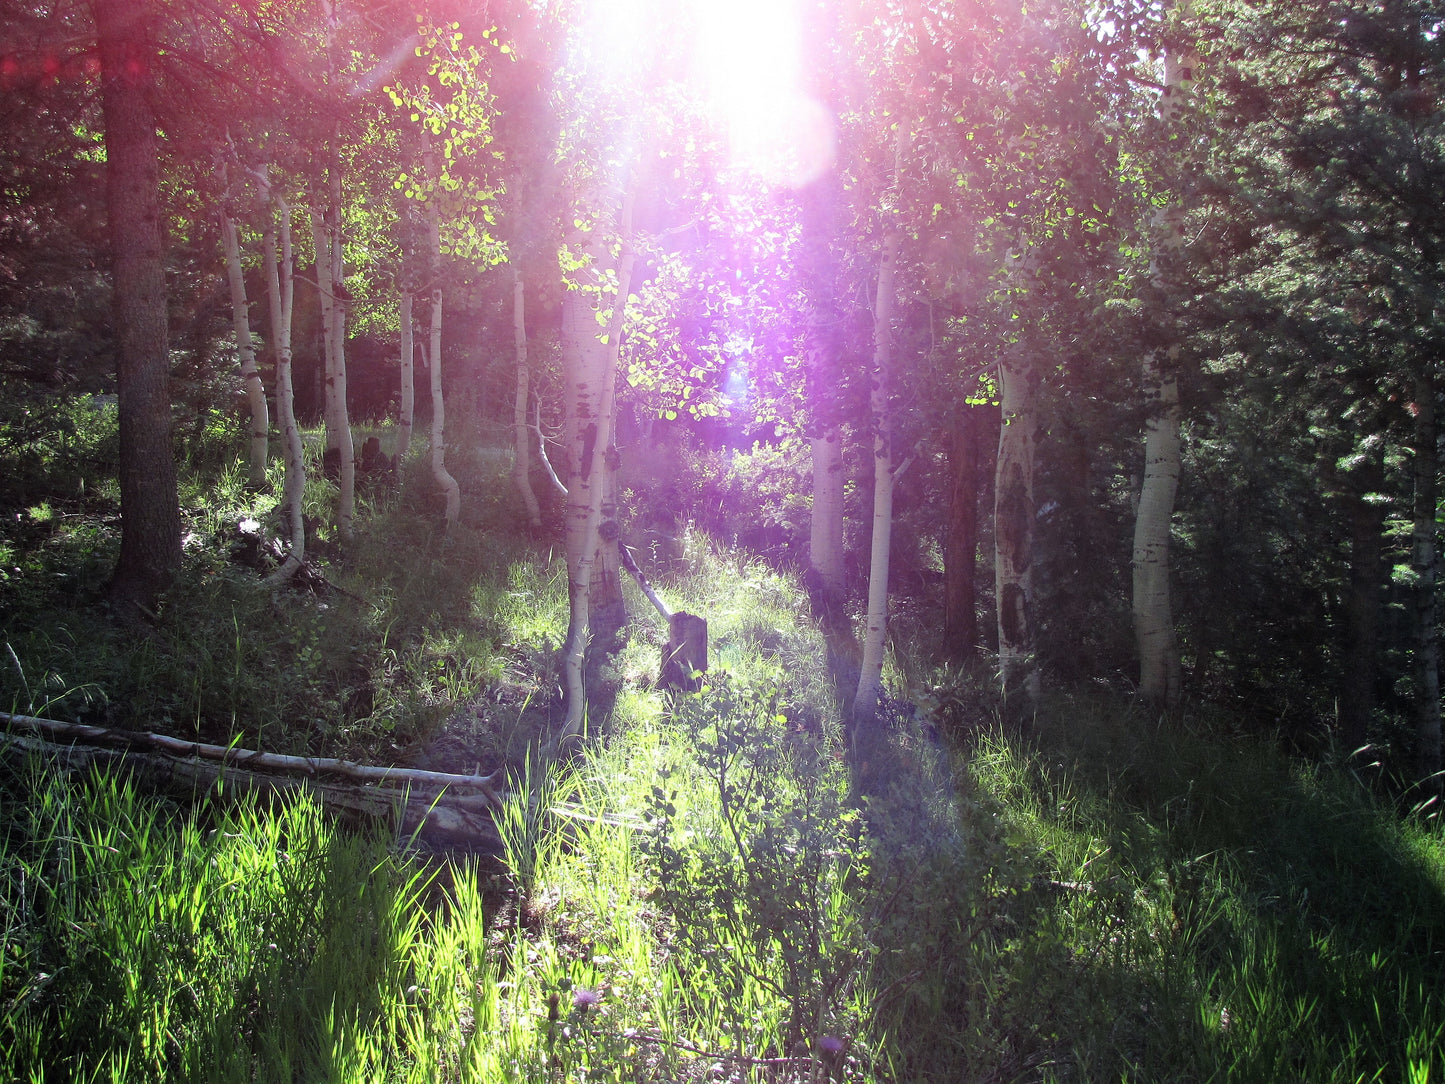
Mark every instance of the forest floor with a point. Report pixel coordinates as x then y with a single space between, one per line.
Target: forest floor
699 894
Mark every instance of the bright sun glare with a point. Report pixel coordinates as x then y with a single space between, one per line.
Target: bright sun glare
748 63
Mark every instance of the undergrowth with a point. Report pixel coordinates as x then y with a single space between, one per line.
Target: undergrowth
704 893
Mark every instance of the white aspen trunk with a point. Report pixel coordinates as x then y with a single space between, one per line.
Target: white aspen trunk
338 427
870 674
1014 527
346 499
448 485
823 345
250 374
280 288
321 245
592 374
408 379
1153 610
580 354
521 462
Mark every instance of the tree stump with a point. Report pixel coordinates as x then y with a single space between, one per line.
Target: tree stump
684 658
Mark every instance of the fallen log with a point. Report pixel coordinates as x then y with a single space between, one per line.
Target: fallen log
258 760
419 804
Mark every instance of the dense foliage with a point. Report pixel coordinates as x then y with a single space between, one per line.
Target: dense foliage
1067 371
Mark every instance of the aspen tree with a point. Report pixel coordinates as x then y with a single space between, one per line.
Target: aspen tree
260 421
592 376
1153 611
325 226
522 460
280 293
870 674
448 485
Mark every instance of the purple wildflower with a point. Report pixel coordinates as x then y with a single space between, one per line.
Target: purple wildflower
830 1044
584 999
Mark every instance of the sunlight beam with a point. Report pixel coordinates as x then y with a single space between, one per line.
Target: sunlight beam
749 58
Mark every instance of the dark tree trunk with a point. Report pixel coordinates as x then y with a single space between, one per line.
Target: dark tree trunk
1427 643
150 551
960 562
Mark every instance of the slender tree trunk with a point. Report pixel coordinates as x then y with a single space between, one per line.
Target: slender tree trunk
592 375
606 606
444 479
448 485
346 498
326 298
408 378
1153 610
960 562
280 288
1426 562
875 635
250 374
1014 527
823 346
150 547
333 335
521 462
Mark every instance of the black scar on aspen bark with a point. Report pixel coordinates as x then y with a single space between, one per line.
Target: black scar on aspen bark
1013 514
589 445
1014 611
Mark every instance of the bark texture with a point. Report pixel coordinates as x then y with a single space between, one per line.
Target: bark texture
1153 609
1014 527
150 548
1425 561
1159 674
329 281
245 351
445 482
407 415
522 459
591 362
824 347
280 289
875 634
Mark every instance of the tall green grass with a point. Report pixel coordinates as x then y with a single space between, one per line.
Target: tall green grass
697 897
